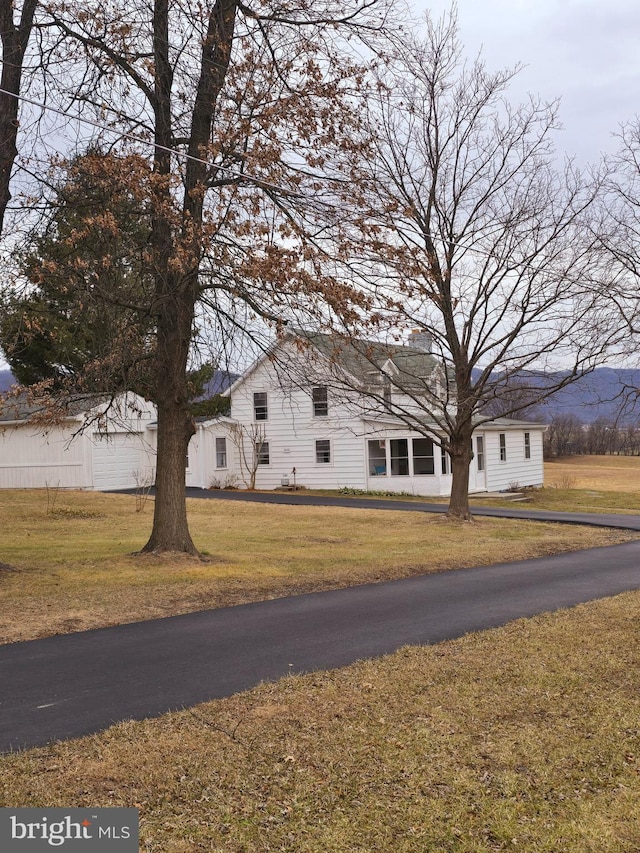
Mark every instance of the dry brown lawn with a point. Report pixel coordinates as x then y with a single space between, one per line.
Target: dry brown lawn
525 739
70 567
606 473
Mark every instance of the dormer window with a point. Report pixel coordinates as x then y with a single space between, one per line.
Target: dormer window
320 399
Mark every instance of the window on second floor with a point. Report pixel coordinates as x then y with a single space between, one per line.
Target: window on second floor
260 406
320 398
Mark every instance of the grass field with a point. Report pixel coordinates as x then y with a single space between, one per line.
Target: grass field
524 738
606 473
70 566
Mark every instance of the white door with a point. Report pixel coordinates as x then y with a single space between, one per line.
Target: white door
477 474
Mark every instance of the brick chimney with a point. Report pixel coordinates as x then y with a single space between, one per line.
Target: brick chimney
419 339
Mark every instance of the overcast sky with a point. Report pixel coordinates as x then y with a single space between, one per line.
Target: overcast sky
586 52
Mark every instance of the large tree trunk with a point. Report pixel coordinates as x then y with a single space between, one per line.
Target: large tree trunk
14 44
175 425
170 530
461 455
177 254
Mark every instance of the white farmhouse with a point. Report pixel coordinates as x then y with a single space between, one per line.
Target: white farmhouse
326 414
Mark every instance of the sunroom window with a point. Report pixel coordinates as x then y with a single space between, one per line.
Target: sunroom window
445 461
377 458
399 457
423 456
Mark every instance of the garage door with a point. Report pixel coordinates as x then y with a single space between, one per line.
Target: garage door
118 461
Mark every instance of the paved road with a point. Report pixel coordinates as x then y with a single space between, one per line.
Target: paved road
624 522
75 684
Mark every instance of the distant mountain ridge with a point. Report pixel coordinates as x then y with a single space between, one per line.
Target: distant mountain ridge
6 380
607 392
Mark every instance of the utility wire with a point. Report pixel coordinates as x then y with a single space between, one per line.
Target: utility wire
131 136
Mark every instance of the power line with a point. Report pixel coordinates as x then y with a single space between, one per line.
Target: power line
140 140
483 253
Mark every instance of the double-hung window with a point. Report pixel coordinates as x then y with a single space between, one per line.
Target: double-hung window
323 451
320 399
503 447
262 452
480 452
221 452
260 406
527 445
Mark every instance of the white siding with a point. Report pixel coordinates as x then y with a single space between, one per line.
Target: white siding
203 471
65 456
292 430
515 470
31 459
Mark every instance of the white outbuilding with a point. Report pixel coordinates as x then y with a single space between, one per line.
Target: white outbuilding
98 444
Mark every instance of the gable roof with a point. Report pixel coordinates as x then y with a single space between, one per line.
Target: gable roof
23 407
365 360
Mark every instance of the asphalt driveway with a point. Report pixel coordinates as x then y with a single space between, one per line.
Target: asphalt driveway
614 520
76 684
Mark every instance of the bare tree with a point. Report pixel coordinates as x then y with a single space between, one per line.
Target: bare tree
251 445
619 231
602 437
240 105
472 236
565 436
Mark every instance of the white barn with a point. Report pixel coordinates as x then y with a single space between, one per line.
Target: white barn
97 445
